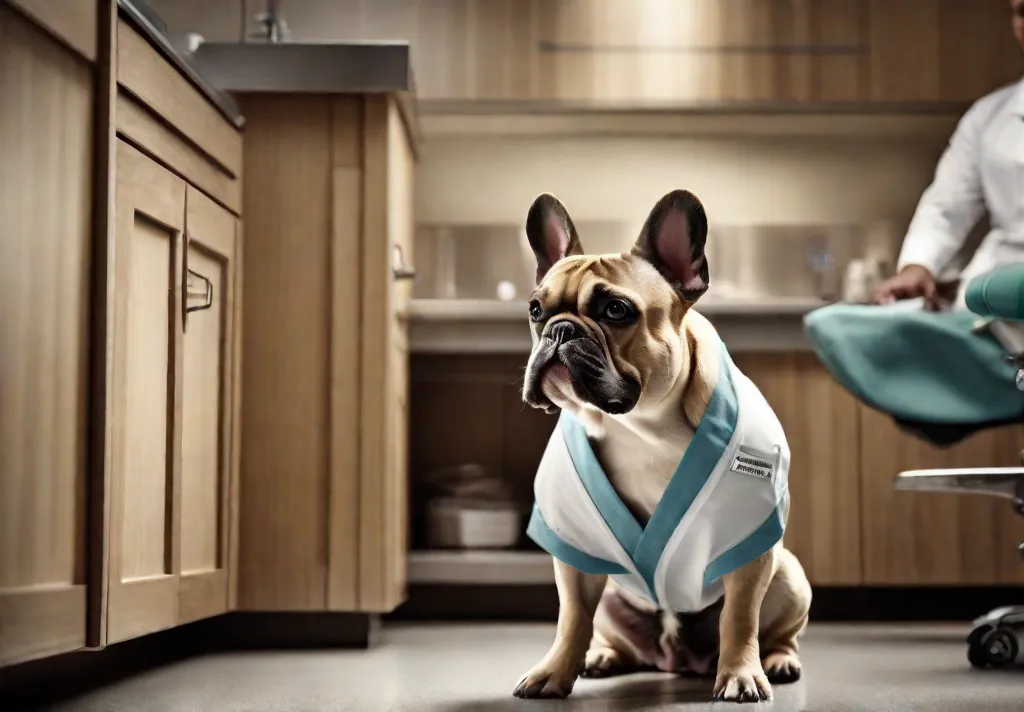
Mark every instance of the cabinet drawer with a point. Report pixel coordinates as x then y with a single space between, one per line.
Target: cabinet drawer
142 127
142 71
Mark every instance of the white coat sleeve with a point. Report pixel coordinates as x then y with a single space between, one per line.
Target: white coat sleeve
953 203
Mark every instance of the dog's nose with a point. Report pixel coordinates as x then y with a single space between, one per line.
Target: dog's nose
564 331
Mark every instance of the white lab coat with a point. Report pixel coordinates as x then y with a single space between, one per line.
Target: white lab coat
982 168
726 504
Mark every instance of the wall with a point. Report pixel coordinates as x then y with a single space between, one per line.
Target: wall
741 180
852 196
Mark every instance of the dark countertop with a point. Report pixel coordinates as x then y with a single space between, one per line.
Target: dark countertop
322 68
142 17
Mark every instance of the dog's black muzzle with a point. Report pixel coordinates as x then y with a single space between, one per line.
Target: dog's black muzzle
594 381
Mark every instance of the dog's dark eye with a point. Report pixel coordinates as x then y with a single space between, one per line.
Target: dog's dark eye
616 310
536 310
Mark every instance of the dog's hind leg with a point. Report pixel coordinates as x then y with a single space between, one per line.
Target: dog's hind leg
626 637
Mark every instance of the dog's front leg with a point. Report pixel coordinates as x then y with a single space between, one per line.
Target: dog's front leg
741 677
578 596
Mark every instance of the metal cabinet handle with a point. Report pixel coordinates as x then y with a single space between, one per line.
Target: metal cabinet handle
188 290
399 268
206 293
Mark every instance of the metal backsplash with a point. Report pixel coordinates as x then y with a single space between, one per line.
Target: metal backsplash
469 261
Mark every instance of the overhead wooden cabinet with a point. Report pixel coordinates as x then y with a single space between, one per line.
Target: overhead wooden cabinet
46 193
636 53
928 50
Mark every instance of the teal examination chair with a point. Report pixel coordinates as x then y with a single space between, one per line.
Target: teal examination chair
943 376
997 299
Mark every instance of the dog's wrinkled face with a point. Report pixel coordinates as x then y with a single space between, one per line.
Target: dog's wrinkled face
606 328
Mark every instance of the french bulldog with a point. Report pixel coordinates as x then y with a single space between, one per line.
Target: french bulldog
618 345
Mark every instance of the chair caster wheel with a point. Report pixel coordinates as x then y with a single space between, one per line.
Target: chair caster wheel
995 648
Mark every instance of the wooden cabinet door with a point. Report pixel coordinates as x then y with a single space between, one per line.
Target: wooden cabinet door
932 539
145 476
46 169
820 420
205 502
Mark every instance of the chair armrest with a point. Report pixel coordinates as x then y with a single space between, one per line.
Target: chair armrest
1000 293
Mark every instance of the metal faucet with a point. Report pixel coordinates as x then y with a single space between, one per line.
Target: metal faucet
275 29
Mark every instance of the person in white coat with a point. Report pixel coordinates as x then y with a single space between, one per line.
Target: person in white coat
981 169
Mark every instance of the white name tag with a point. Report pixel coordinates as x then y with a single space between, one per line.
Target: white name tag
756 463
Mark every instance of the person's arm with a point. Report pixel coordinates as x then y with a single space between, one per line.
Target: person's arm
953 203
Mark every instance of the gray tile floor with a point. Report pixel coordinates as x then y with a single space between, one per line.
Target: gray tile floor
473 668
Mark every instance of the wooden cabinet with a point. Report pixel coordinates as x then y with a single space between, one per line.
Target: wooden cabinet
949 50
46 169
636 53
171 484
822 426
639 53
172 352
119 338
651 53
925 538
328 204
848 525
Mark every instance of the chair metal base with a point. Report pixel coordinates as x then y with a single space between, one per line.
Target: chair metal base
1006 482
997 638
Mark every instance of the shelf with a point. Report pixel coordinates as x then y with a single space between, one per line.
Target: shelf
904 121
530 568
516 310
484 326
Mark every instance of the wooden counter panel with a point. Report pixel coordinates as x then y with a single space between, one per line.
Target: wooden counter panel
146 74
930 539
141 127
821 424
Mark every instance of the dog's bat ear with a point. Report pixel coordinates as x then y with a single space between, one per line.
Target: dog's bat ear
673 240
551 233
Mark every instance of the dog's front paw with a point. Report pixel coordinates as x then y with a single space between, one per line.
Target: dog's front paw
546 681
782 667
742 683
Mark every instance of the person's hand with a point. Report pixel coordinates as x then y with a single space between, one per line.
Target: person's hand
913 281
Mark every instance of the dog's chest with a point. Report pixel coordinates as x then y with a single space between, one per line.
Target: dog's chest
639 469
